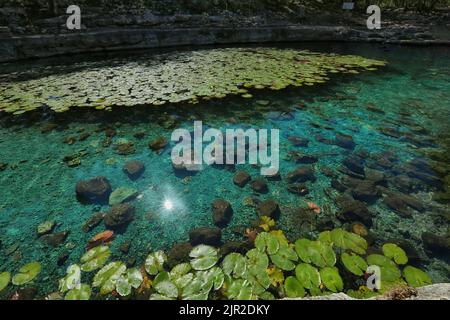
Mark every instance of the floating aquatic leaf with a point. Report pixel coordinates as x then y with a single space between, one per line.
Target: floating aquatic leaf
331 279
276 276
95 258
71 280
354 263
167 289
204 257
155 262
239 289
5 278
293 288
389 270
348 241
308 276
316 252
234 264
396 253
266 242
27 273
106 278
284 258
416 277
81 293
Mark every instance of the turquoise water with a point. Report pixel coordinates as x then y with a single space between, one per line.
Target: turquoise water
411 96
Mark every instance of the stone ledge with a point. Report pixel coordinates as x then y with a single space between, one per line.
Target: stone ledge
38 46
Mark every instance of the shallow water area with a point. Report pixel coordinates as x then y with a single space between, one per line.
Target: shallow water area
396 119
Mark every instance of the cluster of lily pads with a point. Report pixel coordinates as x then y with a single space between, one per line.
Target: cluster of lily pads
274 268
176 77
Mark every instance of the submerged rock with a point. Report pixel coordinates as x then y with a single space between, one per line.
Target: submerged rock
260 185
3 166
121 195
222 212
158 144
352 211
93 190
179 253
241 178
55 239
298 141
345 141
302 174
93 221
436 243
124 148
205 235
235 246
298 188
268 208
355 164
134 169
119 215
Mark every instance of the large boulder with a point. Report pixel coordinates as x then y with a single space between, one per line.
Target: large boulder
119 215
134 169
205 235
179 253
93 190
222 212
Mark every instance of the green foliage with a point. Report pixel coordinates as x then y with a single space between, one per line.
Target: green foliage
177 77
81 293
318 253
27 273
284 258
106 279
203 257
396 253
95 258
5 278
354 263
155 262
389 271
331 279
416 277
235 265
71 280
238 289
345 240
266 242
131 279
293 288
308 276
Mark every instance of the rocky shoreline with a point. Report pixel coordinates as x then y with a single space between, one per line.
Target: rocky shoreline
13 48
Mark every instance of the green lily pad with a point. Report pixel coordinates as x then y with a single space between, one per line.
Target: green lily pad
81 293
284 258
416 277
27 273
95 258
331 279
316 252
71 280
308 276
348 241
354 263
389 270
266 242
106 278
234 264
396 253
203 257
155 262
5 278
293 288
239 289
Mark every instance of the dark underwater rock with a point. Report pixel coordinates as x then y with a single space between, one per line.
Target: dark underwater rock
328 172
93 221
306 159
139 134
222 212
235 246
134 169
124 148
397 205
268 208
179 253
93 190
27 293
55 239
345 141
62 258
351 211
125 247
241 178
337 185
365 191
158 144
302 174
205 235
437 244
119 215
298 188
3 166
260 185
355 164
298 141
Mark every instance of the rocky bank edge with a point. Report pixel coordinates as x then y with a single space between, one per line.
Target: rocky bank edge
440 291
13 48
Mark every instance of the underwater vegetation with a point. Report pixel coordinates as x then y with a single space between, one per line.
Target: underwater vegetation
274 268
178 77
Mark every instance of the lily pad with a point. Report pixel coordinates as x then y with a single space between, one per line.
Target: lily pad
389 270
284 258
234 264
354 263
396 253
293 288
308 276
348 241
155 262
106 278
95 258
81 293
72 279
331 279
204 257
27 273
416 277
266 242
5 278
318 253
